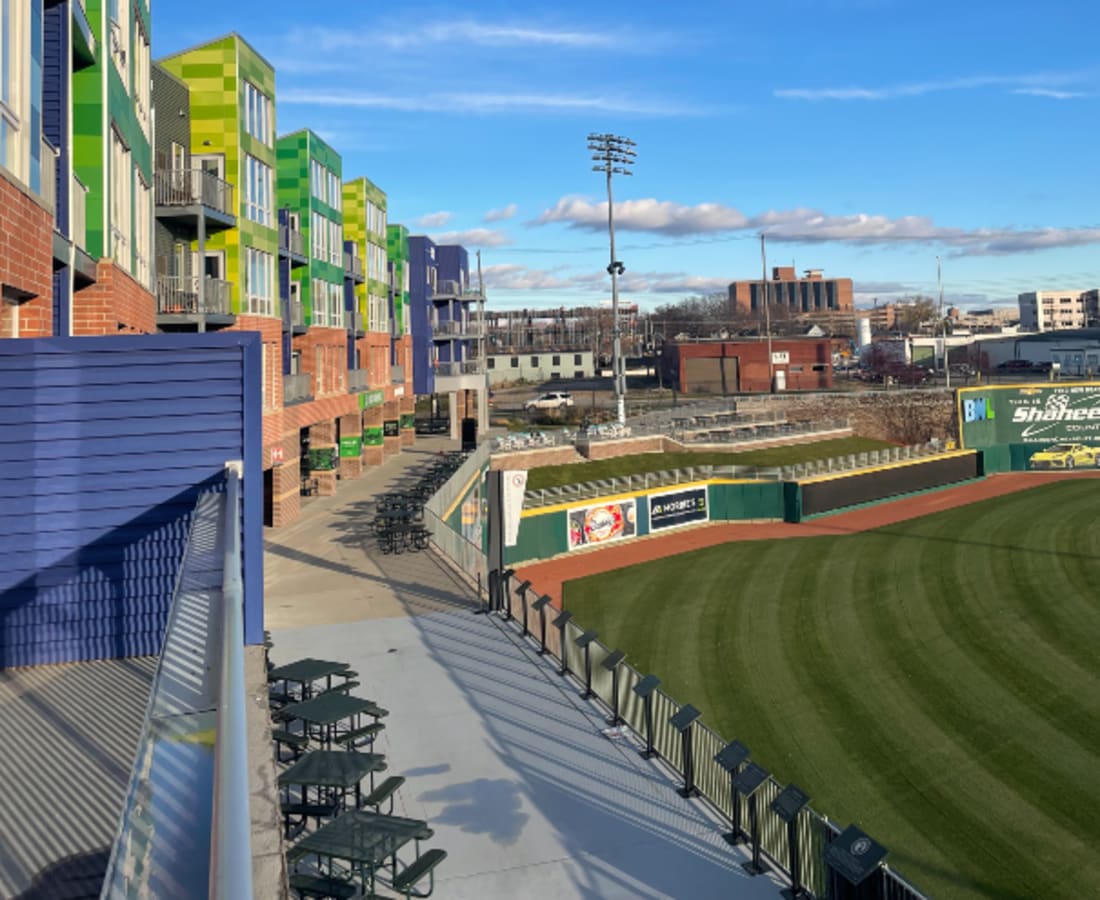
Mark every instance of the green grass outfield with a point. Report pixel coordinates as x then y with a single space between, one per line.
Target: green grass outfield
936 681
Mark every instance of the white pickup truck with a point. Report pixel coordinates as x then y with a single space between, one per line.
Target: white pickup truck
551 400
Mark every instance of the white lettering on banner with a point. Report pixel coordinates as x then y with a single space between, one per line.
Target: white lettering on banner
780 357
515 486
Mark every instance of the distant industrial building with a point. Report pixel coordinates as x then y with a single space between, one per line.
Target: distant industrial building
813 293
742 366
540 365
1055 310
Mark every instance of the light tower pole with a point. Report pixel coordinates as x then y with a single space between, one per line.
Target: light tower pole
614 155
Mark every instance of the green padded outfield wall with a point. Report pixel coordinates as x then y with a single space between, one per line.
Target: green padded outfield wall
216 74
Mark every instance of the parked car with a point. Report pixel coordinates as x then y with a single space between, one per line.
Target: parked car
1015 365
550 400
1064 456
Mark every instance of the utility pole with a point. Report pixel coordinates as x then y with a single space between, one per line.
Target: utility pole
767 309
943 328
614 155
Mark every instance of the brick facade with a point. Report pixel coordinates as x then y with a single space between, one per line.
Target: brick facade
26 263
728 367
115 304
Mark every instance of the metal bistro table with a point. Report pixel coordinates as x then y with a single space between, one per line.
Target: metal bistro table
305 672
322 715
333 773
364 840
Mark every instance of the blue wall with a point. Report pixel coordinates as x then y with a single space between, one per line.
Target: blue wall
421 261
106 445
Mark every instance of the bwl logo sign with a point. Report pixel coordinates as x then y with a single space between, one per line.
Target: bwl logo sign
980 409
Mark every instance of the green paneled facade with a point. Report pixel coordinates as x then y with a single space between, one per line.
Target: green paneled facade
227 127
397 250
309 184
107 100
365 226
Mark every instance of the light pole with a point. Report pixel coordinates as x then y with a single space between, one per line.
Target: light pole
615 155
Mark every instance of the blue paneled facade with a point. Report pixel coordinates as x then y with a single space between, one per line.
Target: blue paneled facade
104 461
422 274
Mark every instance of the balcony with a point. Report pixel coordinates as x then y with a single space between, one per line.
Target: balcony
353 267
357 381
353 321
297 389
179 302
449 329
297 317
292 245
455 369
445 290
186 195
397 374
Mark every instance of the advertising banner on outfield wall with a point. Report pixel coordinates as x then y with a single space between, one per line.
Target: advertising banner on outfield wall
601 523
674 508
1030 414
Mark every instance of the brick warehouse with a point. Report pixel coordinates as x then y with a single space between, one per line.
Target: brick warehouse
741 366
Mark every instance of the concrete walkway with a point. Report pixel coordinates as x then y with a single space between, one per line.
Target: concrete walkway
502 757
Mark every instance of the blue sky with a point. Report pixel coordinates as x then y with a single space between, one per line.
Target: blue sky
864 137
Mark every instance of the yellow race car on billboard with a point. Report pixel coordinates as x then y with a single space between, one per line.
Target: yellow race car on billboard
1064 456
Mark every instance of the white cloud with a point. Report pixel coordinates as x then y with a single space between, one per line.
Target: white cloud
1051 93
483 34
434 220
1045 84
500 215
810 226
474 237
487 102
660 216
510 277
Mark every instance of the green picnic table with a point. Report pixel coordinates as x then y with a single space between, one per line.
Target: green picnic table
305 672
323 715
363 840
331 774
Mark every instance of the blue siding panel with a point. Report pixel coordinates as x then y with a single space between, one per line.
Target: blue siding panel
107 444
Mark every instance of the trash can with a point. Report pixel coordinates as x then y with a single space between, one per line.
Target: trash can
469 434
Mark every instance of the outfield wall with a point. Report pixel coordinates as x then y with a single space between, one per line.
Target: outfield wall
552 530
828 493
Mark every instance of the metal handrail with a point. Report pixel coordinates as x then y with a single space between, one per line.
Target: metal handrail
231 838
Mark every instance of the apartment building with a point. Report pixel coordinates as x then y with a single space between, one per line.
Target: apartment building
401 350
788 294
1056 309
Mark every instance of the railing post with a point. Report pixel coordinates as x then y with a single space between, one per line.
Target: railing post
683 722
645 689
540 607
521 592
731 758
585 643
505 584
611 664
560 622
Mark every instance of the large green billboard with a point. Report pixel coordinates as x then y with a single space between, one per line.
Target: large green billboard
1030 414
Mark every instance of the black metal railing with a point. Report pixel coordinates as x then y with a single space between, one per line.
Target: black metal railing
193 187
180 295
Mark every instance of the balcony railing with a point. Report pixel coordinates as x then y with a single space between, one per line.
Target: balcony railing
193 187
353 264
353 321
297 389
450 328
179 295
297 314
469 367
357 380
78 202
291 240
450 288
48 163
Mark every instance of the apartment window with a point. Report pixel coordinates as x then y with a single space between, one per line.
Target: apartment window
555 360
535 362
259 278
257 114
515 362
333 190
121 181
13 63
576 359
335 244
491 363
120 39
257 191
317 235
142 78
143 232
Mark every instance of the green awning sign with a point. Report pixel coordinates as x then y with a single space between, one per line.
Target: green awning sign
367 399
351 447
408 420
1029 414
372 436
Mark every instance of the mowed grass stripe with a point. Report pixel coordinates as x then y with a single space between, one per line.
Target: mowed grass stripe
935 680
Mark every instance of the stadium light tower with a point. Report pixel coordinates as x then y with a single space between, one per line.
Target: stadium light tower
614 155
